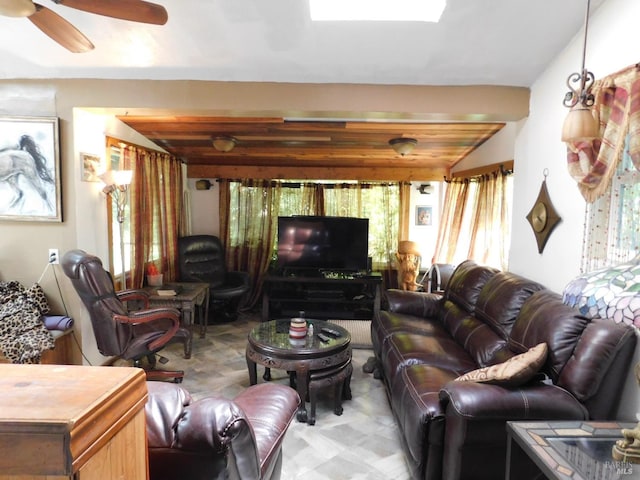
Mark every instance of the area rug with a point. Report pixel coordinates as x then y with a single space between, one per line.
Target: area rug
360 331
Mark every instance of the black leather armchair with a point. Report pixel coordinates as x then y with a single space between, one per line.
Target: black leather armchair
202 259
216 438
118 332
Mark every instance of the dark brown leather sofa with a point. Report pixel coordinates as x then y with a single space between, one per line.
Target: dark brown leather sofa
216 438
457 430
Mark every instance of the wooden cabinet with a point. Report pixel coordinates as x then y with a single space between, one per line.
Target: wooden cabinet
72 422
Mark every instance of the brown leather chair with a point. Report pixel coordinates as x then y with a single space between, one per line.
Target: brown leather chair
216 438
202 259
120 333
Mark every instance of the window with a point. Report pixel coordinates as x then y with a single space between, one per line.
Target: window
476 220
612 222
151 221
379 202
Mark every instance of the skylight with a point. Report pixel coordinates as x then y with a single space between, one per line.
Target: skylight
377 10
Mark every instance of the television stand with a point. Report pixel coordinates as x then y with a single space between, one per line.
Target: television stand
322 297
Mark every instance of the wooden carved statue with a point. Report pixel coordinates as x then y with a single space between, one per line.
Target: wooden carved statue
408 264
628 449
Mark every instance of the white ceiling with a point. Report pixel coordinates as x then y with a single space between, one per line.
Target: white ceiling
497 42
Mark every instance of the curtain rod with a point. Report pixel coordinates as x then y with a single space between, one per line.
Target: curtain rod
483 171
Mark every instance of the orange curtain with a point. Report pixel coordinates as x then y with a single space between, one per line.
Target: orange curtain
249 239
155 209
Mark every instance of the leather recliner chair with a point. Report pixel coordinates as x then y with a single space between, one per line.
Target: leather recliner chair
216 438
118 332
202 259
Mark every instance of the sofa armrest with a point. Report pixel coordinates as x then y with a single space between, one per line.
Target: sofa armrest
534 401
420 304
215 437
475 422
269 419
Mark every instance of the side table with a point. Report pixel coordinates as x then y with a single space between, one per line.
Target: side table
566 450
189 296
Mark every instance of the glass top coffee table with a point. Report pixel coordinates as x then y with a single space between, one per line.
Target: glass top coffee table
269 345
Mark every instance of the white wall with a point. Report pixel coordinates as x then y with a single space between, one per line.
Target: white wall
499 148
205 216
425 235
612 45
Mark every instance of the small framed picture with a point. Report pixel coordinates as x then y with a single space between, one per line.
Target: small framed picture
423 215
91 167
30 186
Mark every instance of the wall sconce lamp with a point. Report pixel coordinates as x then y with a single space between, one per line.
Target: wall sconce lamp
580 123
203 184
402 145
117 185
425 189
117 188
224 144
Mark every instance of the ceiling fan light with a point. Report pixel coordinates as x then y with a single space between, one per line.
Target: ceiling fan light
402 145
580 124
224 144
17 8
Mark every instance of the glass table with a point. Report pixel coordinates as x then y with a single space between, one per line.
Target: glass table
269 345
575 450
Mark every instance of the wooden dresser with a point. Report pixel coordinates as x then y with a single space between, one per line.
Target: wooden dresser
72 422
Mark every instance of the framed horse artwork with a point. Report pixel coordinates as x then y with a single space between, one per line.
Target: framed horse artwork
30 169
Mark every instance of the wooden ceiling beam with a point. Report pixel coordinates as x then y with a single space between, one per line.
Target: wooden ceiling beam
317 173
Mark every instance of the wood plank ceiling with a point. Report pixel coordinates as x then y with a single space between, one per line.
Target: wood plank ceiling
276 148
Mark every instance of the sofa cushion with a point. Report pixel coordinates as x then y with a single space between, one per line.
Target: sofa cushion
515 371
476 337
389 322
602 354
405 349
501 299
466 283
544 318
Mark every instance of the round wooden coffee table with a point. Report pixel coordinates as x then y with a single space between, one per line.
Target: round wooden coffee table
269 345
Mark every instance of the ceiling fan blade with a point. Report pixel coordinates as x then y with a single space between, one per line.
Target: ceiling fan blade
133 10
60 30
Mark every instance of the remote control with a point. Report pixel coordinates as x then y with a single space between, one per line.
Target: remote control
323 338
330 331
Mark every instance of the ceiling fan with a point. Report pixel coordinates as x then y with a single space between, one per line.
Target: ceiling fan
63 32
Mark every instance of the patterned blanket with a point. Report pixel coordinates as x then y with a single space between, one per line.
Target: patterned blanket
23 336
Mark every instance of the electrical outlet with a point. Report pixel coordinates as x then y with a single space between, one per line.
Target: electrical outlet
54 255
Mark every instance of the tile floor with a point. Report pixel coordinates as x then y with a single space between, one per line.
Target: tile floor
362 443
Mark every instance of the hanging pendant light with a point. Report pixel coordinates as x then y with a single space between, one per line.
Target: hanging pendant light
580 123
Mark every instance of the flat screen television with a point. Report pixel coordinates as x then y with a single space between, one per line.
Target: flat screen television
323 243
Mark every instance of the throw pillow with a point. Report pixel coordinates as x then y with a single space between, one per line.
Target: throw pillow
515 371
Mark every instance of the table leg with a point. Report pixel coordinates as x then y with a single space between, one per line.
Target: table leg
189 314
253 372
302 385
205 321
